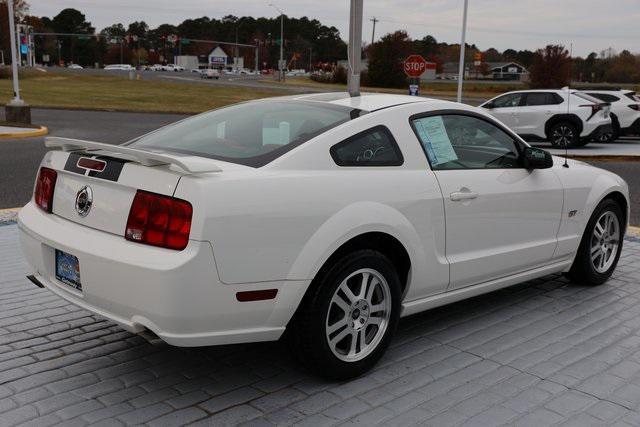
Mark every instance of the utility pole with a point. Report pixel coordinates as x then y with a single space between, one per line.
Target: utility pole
463 43
354 49
373 32
281 62
310 52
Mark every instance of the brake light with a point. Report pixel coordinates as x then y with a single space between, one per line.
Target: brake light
635 107
594 107
159 220
45 185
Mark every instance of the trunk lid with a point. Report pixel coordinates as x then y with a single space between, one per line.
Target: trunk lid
111 190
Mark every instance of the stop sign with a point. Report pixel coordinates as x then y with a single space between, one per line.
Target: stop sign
415 65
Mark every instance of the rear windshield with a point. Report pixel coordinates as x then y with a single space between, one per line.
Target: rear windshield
252 134
587 97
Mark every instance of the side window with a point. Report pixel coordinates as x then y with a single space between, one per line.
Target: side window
541 98
511 100
465 142
605 97
372 147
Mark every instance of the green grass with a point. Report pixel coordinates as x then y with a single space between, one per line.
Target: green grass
437 87
116 93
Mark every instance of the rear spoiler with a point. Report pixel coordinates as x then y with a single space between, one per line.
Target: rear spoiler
190 164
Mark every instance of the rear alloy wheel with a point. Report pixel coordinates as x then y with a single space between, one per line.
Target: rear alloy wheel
563 134
601 245
358 315
347 320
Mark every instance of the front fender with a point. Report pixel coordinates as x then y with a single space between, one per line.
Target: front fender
585 187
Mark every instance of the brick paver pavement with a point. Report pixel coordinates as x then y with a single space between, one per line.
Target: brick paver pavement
542 353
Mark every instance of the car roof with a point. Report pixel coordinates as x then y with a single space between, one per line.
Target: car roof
366 101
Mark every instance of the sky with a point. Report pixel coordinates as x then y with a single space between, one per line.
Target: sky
590 25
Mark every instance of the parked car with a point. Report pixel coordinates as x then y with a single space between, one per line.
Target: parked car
155 67
75 67
237 224
173 67
563 117
625 111
210 73
118 67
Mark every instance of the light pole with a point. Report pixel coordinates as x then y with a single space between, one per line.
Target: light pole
235 60
16 110
462 47
14 57
280 63
354 49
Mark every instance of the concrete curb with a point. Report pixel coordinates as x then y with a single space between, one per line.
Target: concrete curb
8 216
605 158
41 131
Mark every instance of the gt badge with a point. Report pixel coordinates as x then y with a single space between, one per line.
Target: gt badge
84 200
572 214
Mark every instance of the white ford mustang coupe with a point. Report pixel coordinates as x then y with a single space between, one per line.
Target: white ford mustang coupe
325 216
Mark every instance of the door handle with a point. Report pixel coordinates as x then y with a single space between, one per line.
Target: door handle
463 194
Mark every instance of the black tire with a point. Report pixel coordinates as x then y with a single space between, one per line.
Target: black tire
307 333
583 270
609 136
564 132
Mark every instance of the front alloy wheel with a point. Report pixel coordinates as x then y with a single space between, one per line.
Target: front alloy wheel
600 246
605 241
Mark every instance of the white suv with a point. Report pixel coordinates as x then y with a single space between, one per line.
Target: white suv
625 111
561 116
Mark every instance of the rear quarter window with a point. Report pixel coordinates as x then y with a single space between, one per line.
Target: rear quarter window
372 147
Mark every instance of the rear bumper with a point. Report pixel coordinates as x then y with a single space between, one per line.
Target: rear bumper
599 131
175 294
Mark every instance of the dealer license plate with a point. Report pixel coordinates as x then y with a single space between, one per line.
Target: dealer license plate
68 269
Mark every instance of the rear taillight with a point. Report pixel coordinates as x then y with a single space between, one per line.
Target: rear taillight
159 220
635 107
45 185
594 107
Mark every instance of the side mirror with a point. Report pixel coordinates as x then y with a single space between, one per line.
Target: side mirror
487 105
537 158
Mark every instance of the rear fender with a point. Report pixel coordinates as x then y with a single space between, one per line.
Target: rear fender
352 221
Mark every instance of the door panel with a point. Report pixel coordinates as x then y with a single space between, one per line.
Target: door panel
505 222
501 218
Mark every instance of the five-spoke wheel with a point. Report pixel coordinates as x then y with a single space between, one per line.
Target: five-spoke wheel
605 241
358 315
349 315
601 245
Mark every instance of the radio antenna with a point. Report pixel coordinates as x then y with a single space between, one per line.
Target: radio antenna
566 149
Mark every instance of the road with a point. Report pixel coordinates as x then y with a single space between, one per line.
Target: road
19 159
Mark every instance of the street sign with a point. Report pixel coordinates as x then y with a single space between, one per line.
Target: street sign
415 65
413 90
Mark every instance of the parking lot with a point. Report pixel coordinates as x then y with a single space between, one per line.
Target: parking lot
542 353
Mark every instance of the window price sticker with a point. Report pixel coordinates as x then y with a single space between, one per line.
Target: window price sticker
435 140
